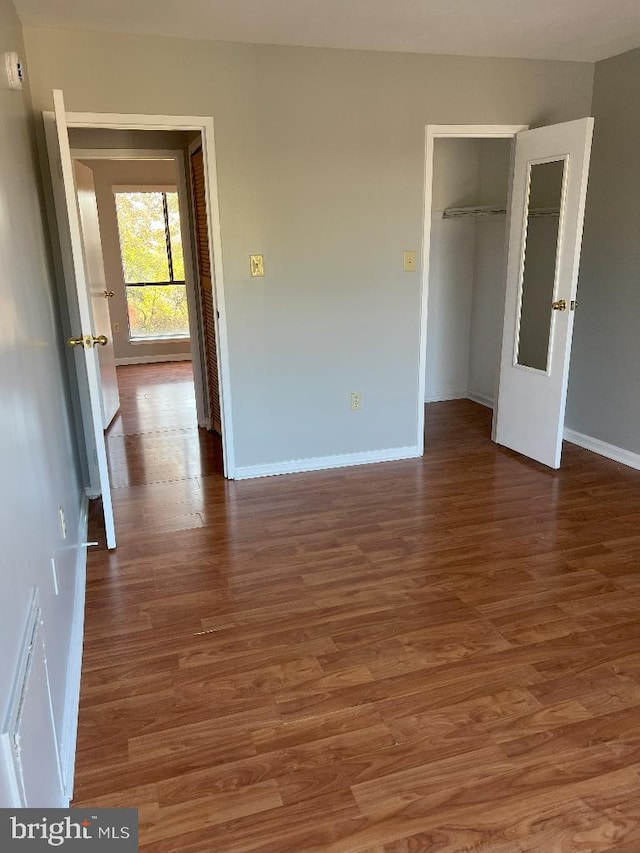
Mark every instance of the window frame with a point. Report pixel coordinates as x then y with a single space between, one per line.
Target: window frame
164 190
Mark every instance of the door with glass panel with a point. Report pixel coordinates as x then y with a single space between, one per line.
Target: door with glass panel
545 232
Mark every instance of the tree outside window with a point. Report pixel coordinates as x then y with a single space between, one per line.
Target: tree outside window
153 264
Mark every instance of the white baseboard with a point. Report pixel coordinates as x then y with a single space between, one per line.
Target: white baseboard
480 398
458 394
151 359
322 463
74 667
445 394
611 451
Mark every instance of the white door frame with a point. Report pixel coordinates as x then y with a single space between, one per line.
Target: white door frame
433 132
176 155
204 125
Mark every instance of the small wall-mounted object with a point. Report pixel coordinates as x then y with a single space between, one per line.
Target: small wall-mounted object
409 260
13 70
256 265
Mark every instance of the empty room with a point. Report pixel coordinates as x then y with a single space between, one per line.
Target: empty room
320 415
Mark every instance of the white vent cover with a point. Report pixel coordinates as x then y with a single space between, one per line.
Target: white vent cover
13 69
28 746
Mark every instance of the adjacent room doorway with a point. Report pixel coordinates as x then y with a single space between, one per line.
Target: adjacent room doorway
57 125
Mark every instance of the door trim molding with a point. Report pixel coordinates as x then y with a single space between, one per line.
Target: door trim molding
204 125
433 132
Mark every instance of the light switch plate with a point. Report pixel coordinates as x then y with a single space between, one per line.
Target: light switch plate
256 264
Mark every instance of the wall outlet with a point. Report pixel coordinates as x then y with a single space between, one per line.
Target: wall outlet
409 260
356 401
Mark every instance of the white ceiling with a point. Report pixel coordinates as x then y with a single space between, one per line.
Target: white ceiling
586 30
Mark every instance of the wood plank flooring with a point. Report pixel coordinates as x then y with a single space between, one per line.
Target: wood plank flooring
429 656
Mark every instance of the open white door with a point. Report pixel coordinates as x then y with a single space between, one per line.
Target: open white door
78 301
545 233
97 288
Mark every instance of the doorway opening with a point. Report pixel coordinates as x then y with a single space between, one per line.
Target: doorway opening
468 182
544 210
151 236
82 336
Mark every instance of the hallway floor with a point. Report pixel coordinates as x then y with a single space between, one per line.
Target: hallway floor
160 462
429 656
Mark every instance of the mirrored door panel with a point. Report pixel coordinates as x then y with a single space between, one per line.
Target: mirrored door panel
539 264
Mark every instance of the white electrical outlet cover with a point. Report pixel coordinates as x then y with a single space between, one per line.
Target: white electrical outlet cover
13 68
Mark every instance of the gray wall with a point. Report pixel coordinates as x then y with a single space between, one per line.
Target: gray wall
37 458
107 174
604 385
321 161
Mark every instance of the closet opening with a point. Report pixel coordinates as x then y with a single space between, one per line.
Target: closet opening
468 178
502 233
467 268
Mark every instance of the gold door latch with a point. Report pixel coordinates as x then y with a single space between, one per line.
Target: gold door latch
560 305
88 341
573 304
108 294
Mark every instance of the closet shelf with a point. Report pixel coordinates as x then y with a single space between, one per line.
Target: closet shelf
482 211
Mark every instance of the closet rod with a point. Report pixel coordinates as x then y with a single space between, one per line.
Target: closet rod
492 210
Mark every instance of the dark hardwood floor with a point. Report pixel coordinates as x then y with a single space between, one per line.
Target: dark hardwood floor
429 656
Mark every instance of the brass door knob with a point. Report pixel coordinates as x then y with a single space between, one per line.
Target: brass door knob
88 341
108 294
560 305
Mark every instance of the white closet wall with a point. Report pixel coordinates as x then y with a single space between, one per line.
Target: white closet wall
449 309
455 184
487 296
466 278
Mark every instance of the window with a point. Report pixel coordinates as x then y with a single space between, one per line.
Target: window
153 264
